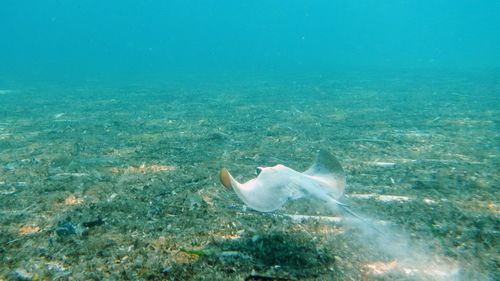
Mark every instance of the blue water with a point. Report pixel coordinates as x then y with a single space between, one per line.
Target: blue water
117 40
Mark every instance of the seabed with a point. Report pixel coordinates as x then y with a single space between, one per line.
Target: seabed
121 182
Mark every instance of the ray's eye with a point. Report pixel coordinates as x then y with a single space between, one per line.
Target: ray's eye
258 170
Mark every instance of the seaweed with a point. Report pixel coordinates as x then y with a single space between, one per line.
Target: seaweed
135 168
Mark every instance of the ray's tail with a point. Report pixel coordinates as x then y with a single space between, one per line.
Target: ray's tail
348 210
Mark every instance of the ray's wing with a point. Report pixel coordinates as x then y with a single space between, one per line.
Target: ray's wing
266 193
327 169
294 190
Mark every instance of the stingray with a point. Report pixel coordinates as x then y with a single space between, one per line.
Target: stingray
274 186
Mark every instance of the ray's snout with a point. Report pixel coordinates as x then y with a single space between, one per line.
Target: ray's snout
225 178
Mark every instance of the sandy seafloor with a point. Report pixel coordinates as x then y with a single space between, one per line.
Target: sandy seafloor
120 182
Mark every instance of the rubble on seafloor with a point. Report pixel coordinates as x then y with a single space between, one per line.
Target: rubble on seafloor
124 185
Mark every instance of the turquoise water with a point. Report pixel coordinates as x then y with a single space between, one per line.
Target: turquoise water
116 118
74 41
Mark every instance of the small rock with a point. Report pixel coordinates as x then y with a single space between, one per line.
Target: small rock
166 271
55 267
138 262
9 167
230 254
66 228
256 238
22 274
419 185
21 184
195 201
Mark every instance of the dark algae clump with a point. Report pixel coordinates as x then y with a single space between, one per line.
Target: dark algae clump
65 228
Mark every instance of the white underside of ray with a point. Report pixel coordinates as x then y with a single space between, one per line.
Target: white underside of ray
276 185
